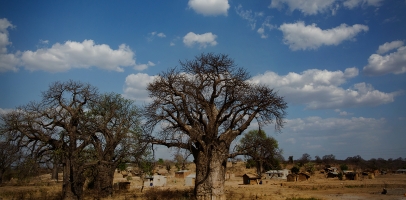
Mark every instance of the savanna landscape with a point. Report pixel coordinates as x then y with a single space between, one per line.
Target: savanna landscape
316 187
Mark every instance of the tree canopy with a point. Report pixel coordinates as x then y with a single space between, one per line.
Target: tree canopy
202 106
261 148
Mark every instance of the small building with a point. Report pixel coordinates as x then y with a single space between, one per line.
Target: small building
277 174
401 171
291 177
350 175
332 175
331 169
155 180
251 179
303 176
190 180
182 173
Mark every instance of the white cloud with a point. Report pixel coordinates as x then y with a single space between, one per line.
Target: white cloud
161 35
388 46
307 7
320 89
264 27
394 62
4 40
5 111
153 34
62 57
342 113
203 40
9 62
311 125
209 7
342 137
248 15
355 3
299 36
141 67
135 87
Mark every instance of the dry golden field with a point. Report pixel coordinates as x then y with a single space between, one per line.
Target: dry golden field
317 187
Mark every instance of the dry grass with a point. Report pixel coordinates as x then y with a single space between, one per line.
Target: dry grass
318 187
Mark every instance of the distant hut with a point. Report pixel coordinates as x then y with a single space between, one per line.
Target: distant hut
291 177
251 179
303 176
277 174
332 175
182 173
190 180
350 175
155 180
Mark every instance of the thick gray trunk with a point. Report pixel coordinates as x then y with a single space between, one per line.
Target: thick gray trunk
1 176
73 181
54 175
103 182
210 174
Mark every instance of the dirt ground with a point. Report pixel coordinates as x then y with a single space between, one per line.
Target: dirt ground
317 187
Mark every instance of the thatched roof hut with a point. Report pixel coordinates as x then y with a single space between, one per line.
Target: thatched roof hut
251 179
182 173
303 176
291 177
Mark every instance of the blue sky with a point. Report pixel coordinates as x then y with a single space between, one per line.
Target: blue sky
340 64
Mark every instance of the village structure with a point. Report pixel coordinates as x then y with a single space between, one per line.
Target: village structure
187 178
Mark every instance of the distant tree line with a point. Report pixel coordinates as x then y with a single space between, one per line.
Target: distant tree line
356 163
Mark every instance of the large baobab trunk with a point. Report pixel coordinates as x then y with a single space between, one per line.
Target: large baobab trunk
103 182
210 174
73 181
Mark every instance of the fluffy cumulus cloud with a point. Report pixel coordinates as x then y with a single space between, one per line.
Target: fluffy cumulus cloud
388 46
385 61
135 87
308 7
355 3
4 40
8 62
300 36
209 7
202 40
71 54
321 89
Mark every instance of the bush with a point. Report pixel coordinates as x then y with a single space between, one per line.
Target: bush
295 169
340 176
343 167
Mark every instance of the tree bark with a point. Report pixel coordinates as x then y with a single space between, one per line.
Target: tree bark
54 175
1 176
73 181
103 182
210 174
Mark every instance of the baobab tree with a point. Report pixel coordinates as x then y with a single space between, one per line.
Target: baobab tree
116 138
57 123
202 107
84 129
